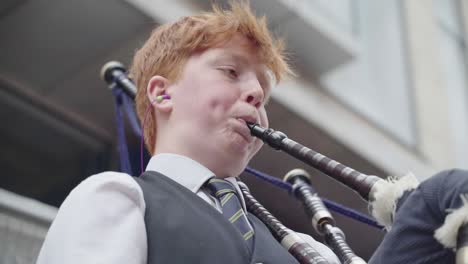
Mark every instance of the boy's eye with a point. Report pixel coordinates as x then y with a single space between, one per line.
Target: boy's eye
230 72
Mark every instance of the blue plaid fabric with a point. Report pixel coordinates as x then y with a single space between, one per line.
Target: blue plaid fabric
232 209
418 214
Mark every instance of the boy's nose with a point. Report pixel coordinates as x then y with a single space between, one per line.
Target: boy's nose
254 94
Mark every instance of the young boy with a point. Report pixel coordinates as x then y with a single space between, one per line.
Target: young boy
199 81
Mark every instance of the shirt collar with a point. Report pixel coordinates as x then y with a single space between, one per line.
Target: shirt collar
185 171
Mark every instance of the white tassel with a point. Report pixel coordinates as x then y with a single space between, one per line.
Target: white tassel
447 233
387 195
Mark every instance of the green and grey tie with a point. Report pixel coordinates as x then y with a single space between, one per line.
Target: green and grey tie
232 209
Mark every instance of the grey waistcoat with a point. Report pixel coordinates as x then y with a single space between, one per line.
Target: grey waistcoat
183 228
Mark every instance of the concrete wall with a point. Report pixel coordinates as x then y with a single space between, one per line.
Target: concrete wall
23 225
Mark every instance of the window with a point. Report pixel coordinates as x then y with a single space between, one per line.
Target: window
375 83
453 66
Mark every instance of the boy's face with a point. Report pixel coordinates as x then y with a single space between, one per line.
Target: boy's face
218 91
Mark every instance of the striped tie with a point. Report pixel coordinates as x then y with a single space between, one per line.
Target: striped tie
232 209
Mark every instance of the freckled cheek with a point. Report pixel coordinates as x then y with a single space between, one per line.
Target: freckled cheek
221 103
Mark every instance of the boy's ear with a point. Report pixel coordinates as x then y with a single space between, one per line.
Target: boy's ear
158 86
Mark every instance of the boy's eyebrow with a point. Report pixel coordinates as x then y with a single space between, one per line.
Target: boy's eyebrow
231 56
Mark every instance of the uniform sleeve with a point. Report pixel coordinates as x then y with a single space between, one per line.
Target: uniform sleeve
101 221
325 251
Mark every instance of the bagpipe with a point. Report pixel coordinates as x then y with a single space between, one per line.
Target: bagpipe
425 222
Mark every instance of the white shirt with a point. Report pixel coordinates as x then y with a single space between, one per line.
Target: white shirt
102 219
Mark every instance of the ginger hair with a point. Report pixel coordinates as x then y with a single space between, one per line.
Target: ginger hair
171 45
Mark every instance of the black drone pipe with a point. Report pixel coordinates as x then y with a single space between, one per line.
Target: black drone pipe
322 220
114 73
289 239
